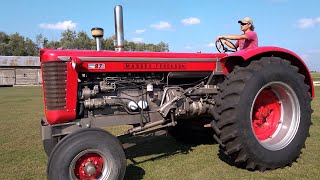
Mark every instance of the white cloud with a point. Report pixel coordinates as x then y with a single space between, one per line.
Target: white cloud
305 23
212 44
162 25
59 25
190 21
140 31
137 40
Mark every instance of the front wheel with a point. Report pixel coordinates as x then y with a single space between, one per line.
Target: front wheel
87 154
263 112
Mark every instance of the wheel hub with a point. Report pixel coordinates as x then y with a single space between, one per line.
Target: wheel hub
89 166
266 114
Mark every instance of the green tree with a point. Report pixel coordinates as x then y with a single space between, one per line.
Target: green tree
31 49
41 41
83 41
4 40
130 46
16 44
108 43
68 38
52 45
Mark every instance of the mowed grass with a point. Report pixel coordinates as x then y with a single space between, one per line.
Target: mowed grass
315 76
22 156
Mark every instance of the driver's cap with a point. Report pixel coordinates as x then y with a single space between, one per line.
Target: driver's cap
246 20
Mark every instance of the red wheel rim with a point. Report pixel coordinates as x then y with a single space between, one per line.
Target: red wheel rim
266 114
89 166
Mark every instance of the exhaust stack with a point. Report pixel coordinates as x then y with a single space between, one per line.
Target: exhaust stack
118 24
97 34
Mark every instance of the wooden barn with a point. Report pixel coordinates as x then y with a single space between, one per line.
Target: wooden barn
20 70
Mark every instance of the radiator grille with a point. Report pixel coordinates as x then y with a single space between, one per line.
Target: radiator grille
54 80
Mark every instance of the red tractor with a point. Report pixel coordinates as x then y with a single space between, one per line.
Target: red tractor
256 102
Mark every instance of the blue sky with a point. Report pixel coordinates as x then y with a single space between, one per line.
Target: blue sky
188 26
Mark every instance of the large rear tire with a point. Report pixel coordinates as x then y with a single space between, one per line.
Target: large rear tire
87 154
263 112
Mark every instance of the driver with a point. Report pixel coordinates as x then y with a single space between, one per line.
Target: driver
247 40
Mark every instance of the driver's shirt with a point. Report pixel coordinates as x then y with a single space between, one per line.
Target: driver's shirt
249 43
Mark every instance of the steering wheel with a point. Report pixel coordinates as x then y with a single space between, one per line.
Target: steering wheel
225 49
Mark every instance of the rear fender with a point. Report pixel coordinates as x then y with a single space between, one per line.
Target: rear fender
241 57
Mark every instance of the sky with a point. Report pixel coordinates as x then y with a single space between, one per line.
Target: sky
186 25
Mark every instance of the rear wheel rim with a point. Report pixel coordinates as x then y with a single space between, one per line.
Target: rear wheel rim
275 115
90 164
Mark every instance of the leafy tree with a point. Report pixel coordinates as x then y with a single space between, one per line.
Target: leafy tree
82 41
68 38
52 45
17 45
41 41
130 46
31 49
108 43
4 40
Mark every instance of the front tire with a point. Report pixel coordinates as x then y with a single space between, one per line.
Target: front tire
263 112
49 144
87 154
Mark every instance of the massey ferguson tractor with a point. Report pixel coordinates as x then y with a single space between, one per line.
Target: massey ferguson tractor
256 102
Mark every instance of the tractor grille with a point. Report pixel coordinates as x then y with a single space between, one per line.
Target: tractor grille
54 80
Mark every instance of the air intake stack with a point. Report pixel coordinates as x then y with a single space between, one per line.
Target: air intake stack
97 34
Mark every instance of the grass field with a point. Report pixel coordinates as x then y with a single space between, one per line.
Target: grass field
316 77
22 156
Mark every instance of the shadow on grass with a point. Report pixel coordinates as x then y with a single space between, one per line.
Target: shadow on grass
225 158
134 172
159 147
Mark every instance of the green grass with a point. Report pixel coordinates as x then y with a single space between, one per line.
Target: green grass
22 156
315 76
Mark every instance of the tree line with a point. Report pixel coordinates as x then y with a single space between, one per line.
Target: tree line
18 45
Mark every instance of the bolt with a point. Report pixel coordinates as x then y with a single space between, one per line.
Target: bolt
95 163
82 172
83 165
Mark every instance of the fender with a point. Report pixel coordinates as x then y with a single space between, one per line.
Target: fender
237 58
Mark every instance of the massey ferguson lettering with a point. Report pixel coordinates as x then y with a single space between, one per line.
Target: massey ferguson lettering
155 66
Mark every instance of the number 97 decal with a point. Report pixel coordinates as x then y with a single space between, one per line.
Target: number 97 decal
97 66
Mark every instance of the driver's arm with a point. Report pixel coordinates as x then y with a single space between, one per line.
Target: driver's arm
234 37
230 45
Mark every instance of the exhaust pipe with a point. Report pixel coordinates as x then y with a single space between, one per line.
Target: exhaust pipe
118 24
97 34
